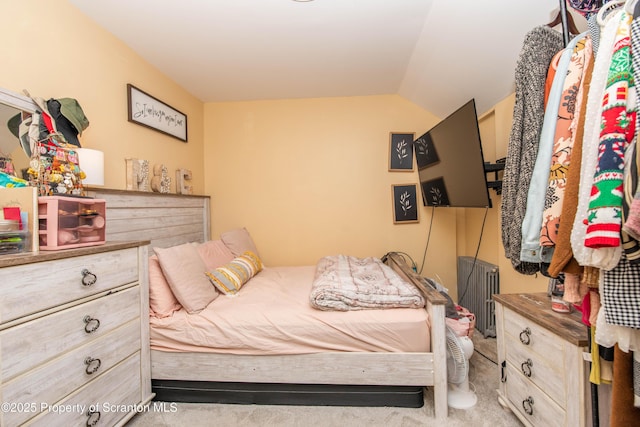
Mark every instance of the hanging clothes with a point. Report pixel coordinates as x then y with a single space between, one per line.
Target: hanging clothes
631 225
591 256
621 294
585 7
562 259
531 251
540 45
623 413
563 143
618 130
630 244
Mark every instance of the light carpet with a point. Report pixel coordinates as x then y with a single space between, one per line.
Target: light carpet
483 375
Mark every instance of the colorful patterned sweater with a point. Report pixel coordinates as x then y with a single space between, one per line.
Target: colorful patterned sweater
617 131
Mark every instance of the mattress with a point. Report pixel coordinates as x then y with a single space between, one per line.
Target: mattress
271 315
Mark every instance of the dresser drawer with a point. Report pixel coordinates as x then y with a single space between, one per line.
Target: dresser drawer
532 404
544 370
29 288
531 336
110 397
52 381
31 344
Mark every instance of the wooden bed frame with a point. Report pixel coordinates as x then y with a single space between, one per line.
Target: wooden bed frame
168 219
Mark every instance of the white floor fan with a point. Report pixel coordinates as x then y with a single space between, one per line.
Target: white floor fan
459 351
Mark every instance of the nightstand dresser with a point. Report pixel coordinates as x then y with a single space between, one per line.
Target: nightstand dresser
74 336
544 378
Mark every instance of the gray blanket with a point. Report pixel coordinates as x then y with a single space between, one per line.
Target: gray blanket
345 283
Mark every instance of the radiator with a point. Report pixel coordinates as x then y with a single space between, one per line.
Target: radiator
477 282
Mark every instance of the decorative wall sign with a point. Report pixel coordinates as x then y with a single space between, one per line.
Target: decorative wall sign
401 151
405 203
150 112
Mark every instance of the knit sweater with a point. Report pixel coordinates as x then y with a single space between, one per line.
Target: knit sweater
618 129
540 45
602 257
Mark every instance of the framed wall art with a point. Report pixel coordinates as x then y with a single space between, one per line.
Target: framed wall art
405 203
401 152
150 112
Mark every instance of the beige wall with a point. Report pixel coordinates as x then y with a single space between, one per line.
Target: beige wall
54 51
495 127
306 177
310 178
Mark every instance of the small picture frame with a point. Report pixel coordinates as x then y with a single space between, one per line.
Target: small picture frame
405 203
401 151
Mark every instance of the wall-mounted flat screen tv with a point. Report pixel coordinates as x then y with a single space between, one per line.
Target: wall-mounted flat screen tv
451 163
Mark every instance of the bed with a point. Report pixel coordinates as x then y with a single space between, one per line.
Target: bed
377 375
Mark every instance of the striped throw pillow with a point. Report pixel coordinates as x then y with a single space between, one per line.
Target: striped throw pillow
230 277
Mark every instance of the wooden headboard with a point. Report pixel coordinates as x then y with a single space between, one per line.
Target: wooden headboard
163 219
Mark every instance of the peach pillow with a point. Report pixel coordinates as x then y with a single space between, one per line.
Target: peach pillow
185 272
214 253
162 302
239 241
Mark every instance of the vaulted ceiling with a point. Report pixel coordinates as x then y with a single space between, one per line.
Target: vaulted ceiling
436 53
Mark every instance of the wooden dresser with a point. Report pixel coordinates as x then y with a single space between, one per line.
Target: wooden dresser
544 379
74 336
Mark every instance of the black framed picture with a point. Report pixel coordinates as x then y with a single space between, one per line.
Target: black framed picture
401 151
434 192
405 203
426 154
148 111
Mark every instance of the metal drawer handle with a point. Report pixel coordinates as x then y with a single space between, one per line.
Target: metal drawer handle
527 405
88 278
526 367
89 361
92 418
525 336
91 324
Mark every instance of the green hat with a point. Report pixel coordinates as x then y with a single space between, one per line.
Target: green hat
14 123
70 108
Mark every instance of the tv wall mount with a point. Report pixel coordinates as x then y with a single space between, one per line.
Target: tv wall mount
495 168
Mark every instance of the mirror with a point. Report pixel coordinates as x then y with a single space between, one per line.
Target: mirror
11 104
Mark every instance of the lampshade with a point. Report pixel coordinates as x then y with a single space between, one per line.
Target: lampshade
92 163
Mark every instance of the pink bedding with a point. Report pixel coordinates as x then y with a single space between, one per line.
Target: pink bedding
272 315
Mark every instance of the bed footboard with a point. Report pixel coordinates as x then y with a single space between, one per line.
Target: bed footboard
435 306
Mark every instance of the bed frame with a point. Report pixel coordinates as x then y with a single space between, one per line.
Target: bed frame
167 219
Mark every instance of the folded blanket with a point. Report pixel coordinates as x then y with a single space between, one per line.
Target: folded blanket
345 283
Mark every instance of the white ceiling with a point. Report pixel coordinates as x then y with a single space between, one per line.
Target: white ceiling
436 53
